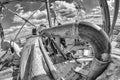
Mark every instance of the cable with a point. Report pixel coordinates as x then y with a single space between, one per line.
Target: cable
22 25
26 20
18 15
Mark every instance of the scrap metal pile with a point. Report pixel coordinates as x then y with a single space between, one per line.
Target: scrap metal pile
59 52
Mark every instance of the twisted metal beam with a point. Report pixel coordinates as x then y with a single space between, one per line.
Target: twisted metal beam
93 34
105 15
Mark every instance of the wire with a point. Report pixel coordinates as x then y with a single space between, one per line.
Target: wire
19 16
22 25
26 20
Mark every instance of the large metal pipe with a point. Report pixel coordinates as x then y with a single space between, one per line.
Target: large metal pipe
92 33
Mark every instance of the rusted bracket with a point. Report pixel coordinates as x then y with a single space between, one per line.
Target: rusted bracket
93 34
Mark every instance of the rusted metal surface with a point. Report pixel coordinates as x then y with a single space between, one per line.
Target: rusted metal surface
92 33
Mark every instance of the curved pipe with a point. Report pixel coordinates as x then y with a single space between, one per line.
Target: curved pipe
105 15
95 35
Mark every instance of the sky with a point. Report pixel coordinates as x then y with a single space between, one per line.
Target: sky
26 9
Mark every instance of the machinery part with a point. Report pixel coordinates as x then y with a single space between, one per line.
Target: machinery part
59 50
50 66
34 31
93 34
